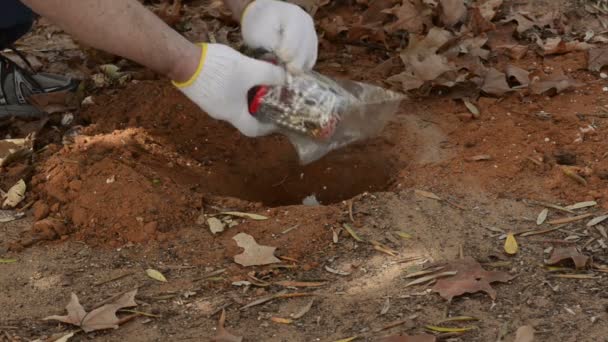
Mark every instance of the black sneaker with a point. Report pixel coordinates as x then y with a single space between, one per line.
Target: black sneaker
18 84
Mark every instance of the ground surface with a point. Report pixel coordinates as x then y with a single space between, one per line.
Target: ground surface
134 184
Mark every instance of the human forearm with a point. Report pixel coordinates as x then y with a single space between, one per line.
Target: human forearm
125 28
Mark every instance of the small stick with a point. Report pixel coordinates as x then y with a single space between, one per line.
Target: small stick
114 278
350 211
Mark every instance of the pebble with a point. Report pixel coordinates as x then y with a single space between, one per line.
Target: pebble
603 75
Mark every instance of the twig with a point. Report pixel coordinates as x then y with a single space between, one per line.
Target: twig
538 232
570 219
127 318
114 279
350 211
548 205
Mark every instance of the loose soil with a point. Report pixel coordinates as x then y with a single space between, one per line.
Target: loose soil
147 165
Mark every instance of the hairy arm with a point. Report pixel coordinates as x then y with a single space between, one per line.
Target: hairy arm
125 28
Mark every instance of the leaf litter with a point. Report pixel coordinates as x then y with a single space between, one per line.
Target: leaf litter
470 278
222 334
101 318
561 255
253 254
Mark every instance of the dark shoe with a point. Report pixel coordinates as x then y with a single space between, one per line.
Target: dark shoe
18 84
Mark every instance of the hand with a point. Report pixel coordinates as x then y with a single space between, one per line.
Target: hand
221 82
283 29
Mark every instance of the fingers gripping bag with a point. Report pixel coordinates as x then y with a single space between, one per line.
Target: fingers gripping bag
319 114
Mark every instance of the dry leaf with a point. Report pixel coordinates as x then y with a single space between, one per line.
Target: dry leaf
518 74
156 275
560 255
597 58
10 215
303 311
489 7
511 244
452 11
427 194
409 18
245 215
597 220
253 254
66 337
334 271
15 194
513 51
431 277
408 338
495 83
216 225
300 283
352 232
471 278
542 217
472 108
7 261
103 317
479 157
448 329
581 205
224 335
524 334
14 149
557 82
557 45
281 320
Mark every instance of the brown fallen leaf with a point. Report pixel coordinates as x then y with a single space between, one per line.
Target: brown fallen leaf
103 317
408 338
524 334
517 74
253 254
452 11
488 8
556 46
495 83
513 51
597 58
224 335
479 157
556 82
15 194
15 149
471 278
560 255
570 219
427 194
410 18
523 23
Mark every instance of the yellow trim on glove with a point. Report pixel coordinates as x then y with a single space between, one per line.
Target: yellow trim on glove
245 10
201 63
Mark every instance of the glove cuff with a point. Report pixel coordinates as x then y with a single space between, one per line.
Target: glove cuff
208 83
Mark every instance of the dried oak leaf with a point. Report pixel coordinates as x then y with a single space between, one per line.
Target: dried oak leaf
517 74
495 83
477 23
408 338
224 335
452 11
488 9
103 317
523 22
557 82
253 254
556 45
421 54
411 15
471 278
560 255
375 12
597 58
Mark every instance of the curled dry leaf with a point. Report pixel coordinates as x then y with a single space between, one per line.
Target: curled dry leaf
495 83
452 11
471 278
15 149
524 334
15 194
597 58
224 335
253 254
103 317
556 82
409 17
518 74
408 338
156 275
560 255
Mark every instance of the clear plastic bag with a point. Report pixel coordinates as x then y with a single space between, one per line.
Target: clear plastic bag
320 114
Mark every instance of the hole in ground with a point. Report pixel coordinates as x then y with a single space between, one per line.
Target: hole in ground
254 169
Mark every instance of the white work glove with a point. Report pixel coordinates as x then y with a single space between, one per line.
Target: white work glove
221 82
283 29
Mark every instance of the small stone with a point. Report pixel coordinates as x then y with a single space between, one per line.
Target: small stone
41 210
603 75
605 89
